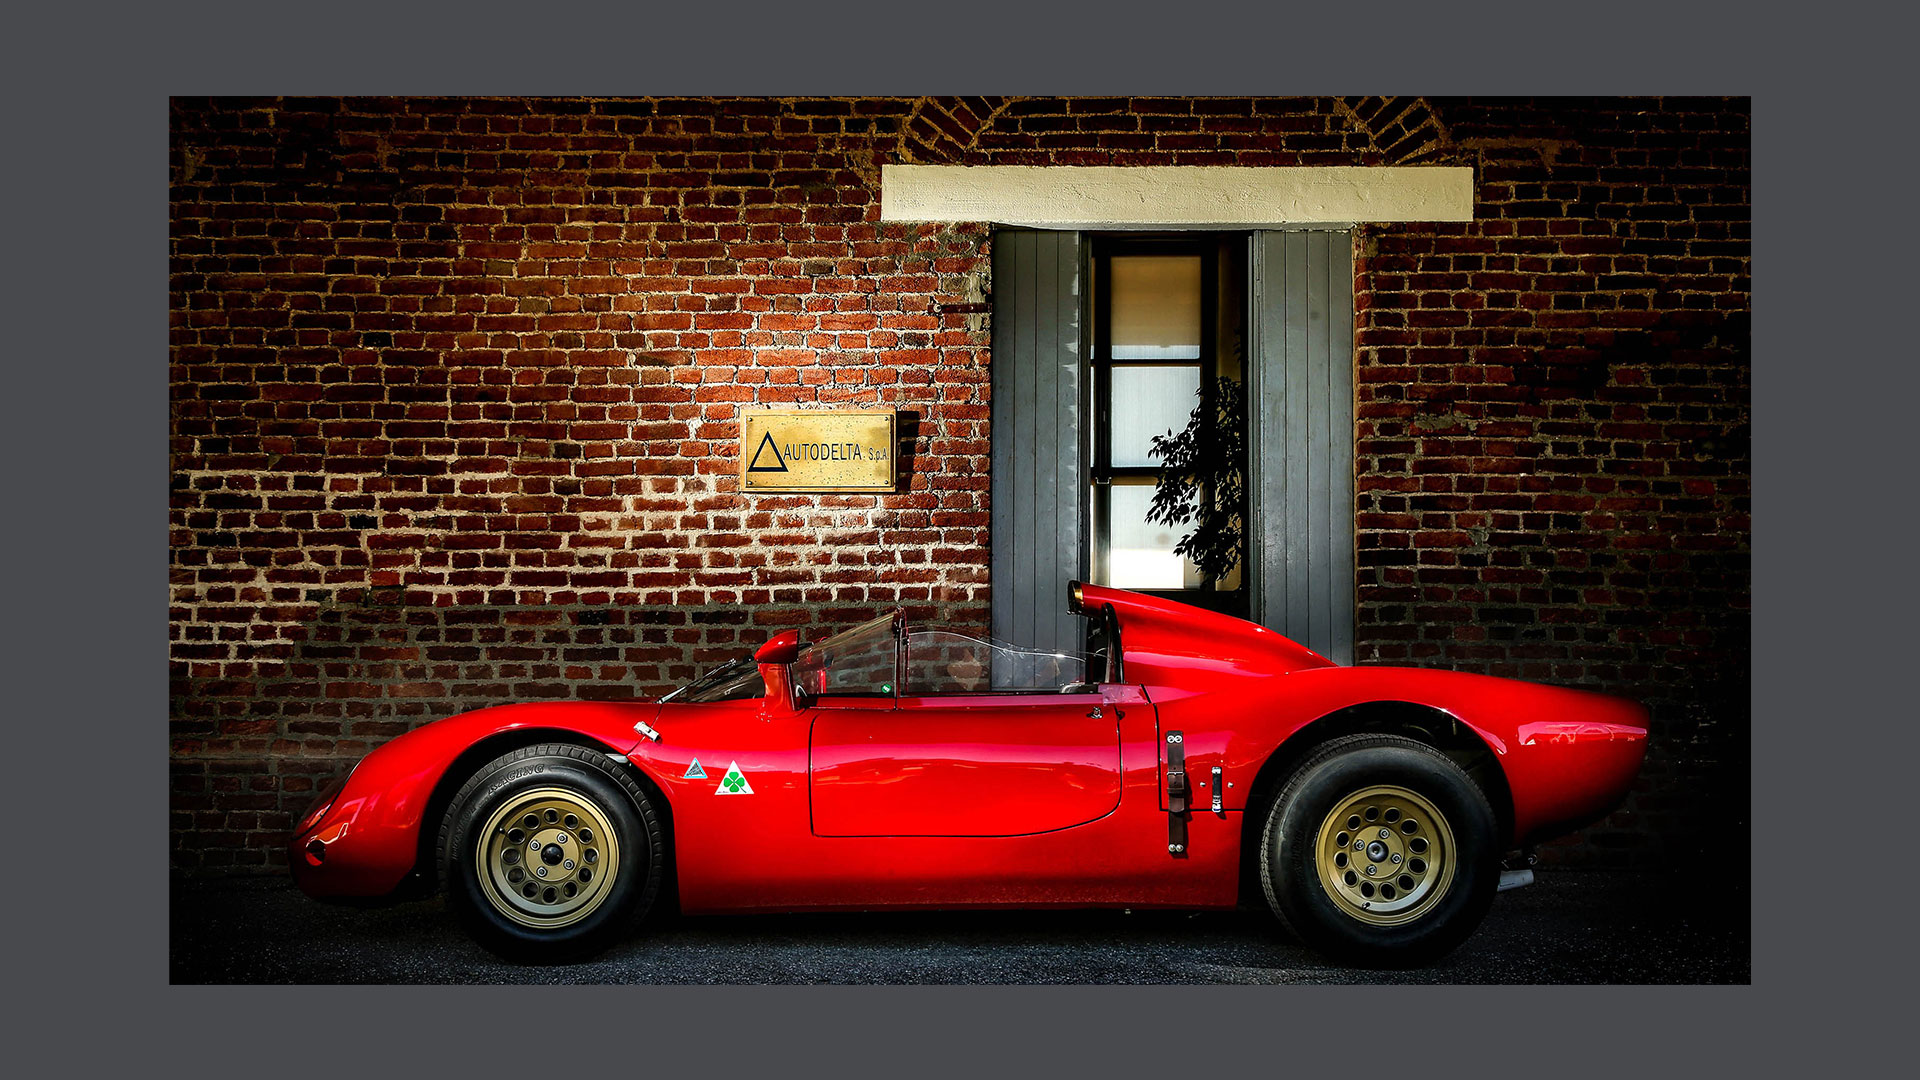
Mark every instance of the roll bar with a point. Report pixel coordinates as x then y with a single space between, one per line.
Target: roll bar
1106 622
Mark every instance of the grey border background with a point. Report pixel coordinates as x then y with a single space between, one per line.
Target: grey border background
90 474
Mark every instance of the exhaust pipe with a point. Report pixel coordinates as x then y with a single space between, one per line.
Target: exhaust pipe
1513 879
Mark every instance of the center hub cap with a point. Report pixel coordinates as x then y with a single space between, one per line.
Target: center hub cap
1376 851
551 854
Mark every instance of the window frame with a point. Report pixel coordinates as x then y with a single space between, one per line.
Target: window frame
1101 471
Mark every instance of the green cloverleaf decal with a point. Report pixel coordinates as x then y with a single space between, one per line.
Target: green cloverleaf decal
733 782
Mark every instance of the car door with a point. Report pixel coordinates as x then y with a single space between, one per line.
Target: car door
986 765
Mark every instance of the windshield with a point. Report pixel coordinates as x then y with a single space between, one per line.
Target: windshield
736 679
942 662
862 662
866 662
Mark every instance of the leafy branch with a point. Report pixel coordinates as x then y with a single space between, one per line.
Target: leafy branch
1203 480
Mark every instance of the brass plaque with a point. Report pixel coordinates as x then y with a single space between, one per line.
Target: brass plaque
816 450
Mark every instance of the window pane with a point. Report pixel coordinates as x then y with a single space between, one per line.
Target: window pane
1149 401
1140 555
1155 307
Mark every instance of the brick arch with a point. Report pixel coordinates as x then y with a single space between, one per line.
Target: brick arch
946 130
1403 130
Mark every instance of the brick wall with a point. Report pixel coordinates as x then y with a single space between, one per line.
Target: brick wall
1553 450
454 387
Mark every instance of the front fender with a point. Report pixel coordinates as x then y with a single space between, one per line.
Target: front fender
367 841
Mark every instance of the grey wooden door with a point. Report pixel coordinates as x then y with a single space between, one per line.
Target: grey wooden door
1039 491
1300 437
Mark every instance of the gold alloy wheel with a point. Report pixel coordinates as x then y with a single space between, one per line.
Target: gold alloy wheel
547 857
1385 855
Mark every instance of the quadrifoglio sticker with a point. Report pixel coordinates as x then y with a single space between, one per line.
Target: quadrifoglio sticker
734 782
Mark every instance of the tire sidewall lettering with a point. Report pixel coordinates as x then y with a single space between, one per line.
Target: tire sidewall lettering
629 817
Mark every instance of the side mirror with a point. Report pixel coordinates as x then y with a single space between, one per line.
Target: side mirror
780 649
774 657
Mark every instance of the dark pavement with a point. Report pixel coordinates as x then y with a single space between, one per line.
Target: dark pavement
1569 927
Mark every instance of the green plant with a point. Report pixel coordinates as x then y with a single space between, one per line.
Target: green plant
1203 480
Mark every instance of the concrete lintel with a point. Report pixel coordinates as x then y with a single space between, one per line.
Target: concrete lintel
1174 196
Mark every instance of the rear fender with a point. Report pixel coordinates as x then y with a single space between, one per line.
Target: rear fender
1564 755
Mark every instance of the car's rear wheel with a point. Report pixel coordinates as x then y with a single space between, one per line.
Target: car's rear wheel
551 853
1380 850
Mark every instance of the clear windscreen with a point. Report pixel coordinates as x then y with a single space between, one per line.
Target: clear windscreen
866 661
943 662
861 662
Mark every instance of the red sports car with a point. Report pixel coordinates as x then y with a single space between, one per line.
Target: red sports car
1187 759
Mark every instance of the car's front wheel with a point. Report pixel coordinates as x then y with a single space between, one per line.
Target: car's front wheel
550 853
1380 850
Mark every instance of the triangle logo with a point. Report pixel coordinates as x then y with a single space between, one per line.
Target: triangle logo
760 452
694 771
734 783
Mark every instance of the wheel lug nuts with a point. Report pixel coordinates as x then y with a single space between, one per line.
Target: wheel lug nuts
569 863
1369 871
542 871
561 839
1396 856
1384 834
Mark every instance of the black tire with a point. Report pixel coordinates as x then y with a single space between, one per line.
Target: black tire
1326 914
580 786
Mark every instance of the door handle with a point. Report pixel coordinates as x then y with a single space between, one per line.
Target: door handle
1096 713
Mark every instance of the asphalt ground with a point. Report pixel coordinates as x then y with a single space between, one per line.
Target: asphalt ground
1568 927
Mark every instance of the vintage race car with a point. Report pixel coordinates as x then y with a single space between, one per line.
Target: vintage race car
1187 759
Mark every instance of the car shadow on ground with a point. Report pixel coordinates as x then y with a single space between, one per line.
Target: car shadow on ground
1572 927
